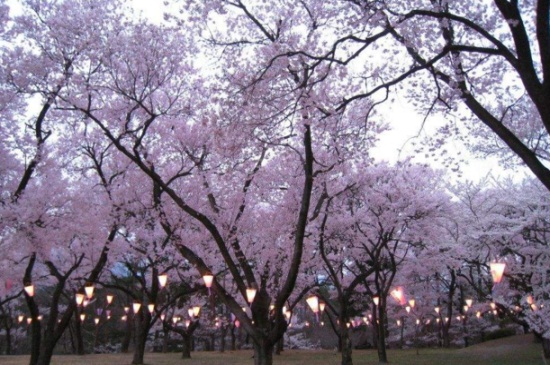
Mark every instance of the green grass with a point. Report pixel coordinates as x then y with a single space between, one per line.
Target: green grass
517 350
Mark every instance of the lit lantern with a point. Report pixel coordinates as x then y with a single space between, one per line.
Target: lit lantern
323 323
163 280
20 318
469 302
437 310
478 314
534 307
110 299
79 298
89 290
126 309
96 321
40 317
250 295
412 303
85 302
124 318
313 303
82 317
408 309
417 321
174 320
497 270
466 308
162 316
398 323
428 321
288 314
322 306
493 305
376 300
190 312
397 294
29 289
208 279
187 323
196 311
29 320
458 318
271 307
529 299
237 323
446 319
151 308
136 306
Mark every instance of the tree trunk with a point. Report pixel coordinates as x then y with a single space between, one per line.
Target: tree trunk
165 339
46 351
346 345
546 347
127 337
141 330
280 346
186 347
223 333
78 334
382 355
233 339
263 354
8 340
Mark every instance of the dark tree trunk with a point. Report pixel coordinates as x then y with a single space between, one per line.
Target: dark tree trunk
280 346
545 347
127 337
186 347
233 339
141 330
382 355
346 344
263 354
165 339
223 333
8 340
78 335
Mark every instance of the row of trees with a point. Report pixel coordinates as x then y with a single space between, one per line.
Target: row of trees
243 154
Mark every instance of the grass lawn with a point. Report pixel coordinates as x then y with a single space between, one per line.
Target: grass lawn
517 350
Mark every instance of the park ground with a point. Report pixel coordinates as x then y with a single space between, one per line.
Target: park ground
516 350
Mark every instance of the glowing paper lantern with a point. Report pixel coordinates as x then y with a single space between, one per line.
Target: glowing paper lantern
398 295
29 289
96 320
151 308
313 303
163 280
469 302
196 310
412 303
20 318
79 298
110 299
82 317
376 300
208 280
89 290
250 295
322 306
136 306
408 309
437 310
497 270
